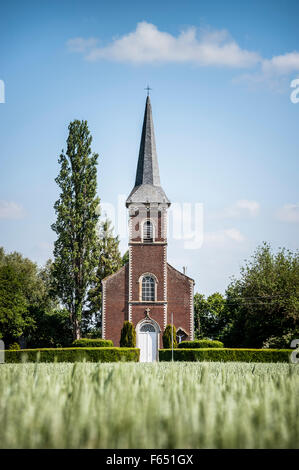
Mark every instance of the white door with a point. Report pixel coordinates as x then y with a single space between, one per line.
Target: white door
147 342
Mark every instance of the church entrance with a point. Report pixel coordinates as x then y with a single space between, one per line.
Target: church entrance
148 342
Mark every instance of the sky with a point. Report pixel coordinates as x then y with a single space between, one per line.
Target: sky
225 100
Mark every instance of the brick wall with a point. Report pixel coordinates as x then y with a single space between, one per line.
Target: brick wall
180 300
172 286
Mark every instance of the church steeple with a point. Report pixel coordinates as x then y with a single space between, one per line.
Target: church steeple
147 187
147 168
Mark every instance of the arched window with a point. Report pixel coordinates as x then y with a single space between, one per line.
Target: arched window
148 231
147 327
148 288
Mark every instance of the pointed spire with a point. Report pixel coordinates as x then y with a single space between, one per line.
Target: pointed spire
147 168
147 183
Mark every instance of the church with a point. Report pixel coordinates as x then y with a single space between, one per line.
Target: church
147 291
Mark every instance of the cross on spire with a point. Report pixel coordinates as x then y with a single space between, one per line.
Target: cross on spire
148 89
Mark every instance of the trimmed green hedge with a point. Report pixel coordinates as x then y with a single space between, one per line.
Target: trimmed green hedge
92 343
227 355
200 343
73 355
128 335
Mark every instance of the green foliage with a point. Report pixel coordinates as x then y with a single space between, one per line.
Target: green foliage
53 329
76 248
77 354
128 335
167 343
227 355
109 261
264 301
14 346
281 342
92 343
202 343
125 258
210 315
21 290
14 315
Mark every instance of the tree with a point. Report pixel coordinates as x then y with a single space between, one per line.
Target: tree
128 335
53 329
264 301
29 310
76 247
125 258
21 290
167 337
14 316
210 315
109 262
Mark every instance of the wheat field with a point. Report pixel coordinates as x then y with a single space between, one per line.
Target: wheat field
162 405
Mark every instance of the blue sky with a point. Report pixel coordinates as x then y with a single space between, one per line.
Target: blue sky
226 128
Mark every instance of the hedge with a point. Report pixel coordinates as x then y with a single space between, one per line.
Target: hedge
227 355
92 343
128 335
200 343
168 335
73 355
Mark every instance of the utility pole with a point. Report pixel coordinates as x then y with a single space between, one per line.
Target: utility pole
172 337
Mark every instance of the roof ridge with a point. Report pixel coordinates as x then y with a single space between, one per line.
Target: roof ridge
185 275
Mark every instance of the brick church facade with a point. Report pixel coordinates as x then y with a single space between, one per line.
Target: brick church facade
147 291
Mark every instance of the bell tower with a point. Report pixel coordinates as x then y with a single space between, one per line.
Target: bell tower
147 205
147 290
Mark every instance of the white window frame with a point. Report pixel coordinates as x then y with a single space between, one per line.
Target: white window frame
150 240
155 287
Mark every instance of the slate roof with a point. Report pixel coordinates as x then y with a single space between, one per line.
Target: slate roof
147 187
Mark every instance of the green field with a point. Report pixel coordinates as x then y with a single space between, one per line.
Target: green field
180 405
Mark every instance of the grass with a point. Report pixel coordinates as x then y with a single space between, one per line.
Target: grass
180 405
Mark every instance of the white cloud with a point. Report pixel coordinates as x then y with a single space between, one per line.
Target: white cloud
251 206
289 213
238 209
281 64
11 210
222 237
273 72
149 45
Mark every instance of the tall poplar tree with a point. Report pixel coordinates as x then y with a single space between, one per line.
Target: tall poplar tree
76 248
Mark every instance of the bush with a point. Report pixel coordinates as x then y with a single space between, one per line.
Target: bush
281 342
73 355
227 355
167 337
200 343
92 343
128 335
14 346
